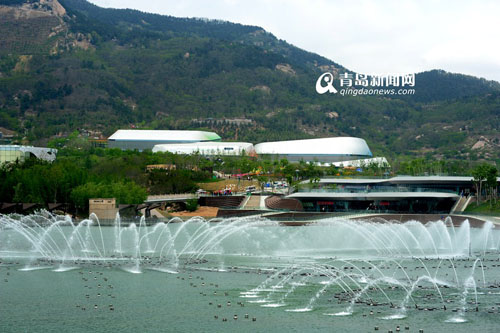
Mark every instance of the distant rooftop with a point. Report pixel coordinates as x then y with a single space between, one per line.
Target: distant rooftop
400 180
371 195
161 135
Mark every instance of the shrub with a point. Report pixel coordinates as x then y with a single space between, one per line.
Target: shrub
192 204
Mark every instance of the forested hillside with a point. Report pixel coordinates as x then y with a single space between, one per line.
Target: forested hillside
71 65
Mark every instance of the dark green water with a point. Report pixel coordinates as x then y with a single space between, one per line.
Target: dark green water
433 277
47 301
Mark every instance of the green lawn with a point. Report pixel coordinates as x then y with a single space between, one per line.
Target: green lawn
484 208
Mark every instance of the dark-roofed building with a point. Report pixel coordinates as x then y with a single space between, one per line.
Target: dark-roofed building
401 194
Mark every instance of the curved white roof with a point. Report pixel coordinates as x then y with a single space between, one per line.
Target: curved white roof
158 135
206 148
339 146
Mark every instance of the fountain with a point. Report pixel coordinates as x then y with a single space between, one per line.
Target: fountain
351 273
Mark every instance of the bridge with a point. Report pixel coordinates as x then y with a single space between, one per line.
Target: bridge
157 201
169 198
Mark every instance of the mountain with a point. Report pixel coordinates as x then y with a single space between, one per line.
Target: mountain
68 64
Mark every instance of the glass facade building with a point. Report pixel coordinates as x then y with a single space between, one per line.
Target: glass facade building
13 153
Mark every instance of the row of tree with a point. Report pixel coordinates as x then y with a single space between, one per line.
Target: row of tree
485 182
82 172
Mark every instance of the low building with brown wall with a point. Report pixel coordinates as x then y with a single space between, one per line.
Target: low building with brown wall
104 208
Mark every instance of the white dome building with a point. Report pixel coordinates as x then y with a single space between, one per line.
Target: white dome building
324 150
207 148
147 139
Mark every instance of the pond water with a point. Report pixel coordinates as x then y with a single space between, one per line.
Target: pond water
247 274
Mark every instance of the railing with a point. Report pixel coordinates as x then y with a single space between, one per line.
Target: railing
170 196
294 216
358 177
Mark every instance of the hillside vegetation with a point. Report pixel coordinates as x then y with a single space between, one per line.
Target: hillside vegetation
71 65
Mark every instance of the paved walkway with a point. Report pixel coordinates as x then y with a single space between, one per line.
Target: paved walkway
253 202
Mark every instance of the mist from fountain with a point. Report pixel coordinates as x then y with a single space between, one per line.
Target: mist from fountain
197 238
359 262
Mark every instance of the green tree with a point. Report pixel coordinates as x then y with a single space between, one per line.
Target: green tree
485 175
192 204
491 183
124 192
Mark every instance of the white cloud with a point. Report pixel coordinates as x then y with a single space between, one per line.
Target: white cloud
369 36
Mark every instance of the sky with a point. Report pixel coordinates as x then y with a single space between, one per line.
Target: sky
367 36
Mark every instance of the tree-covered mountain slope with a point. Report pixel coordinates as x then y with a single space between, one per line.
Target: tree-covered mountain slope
72 65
